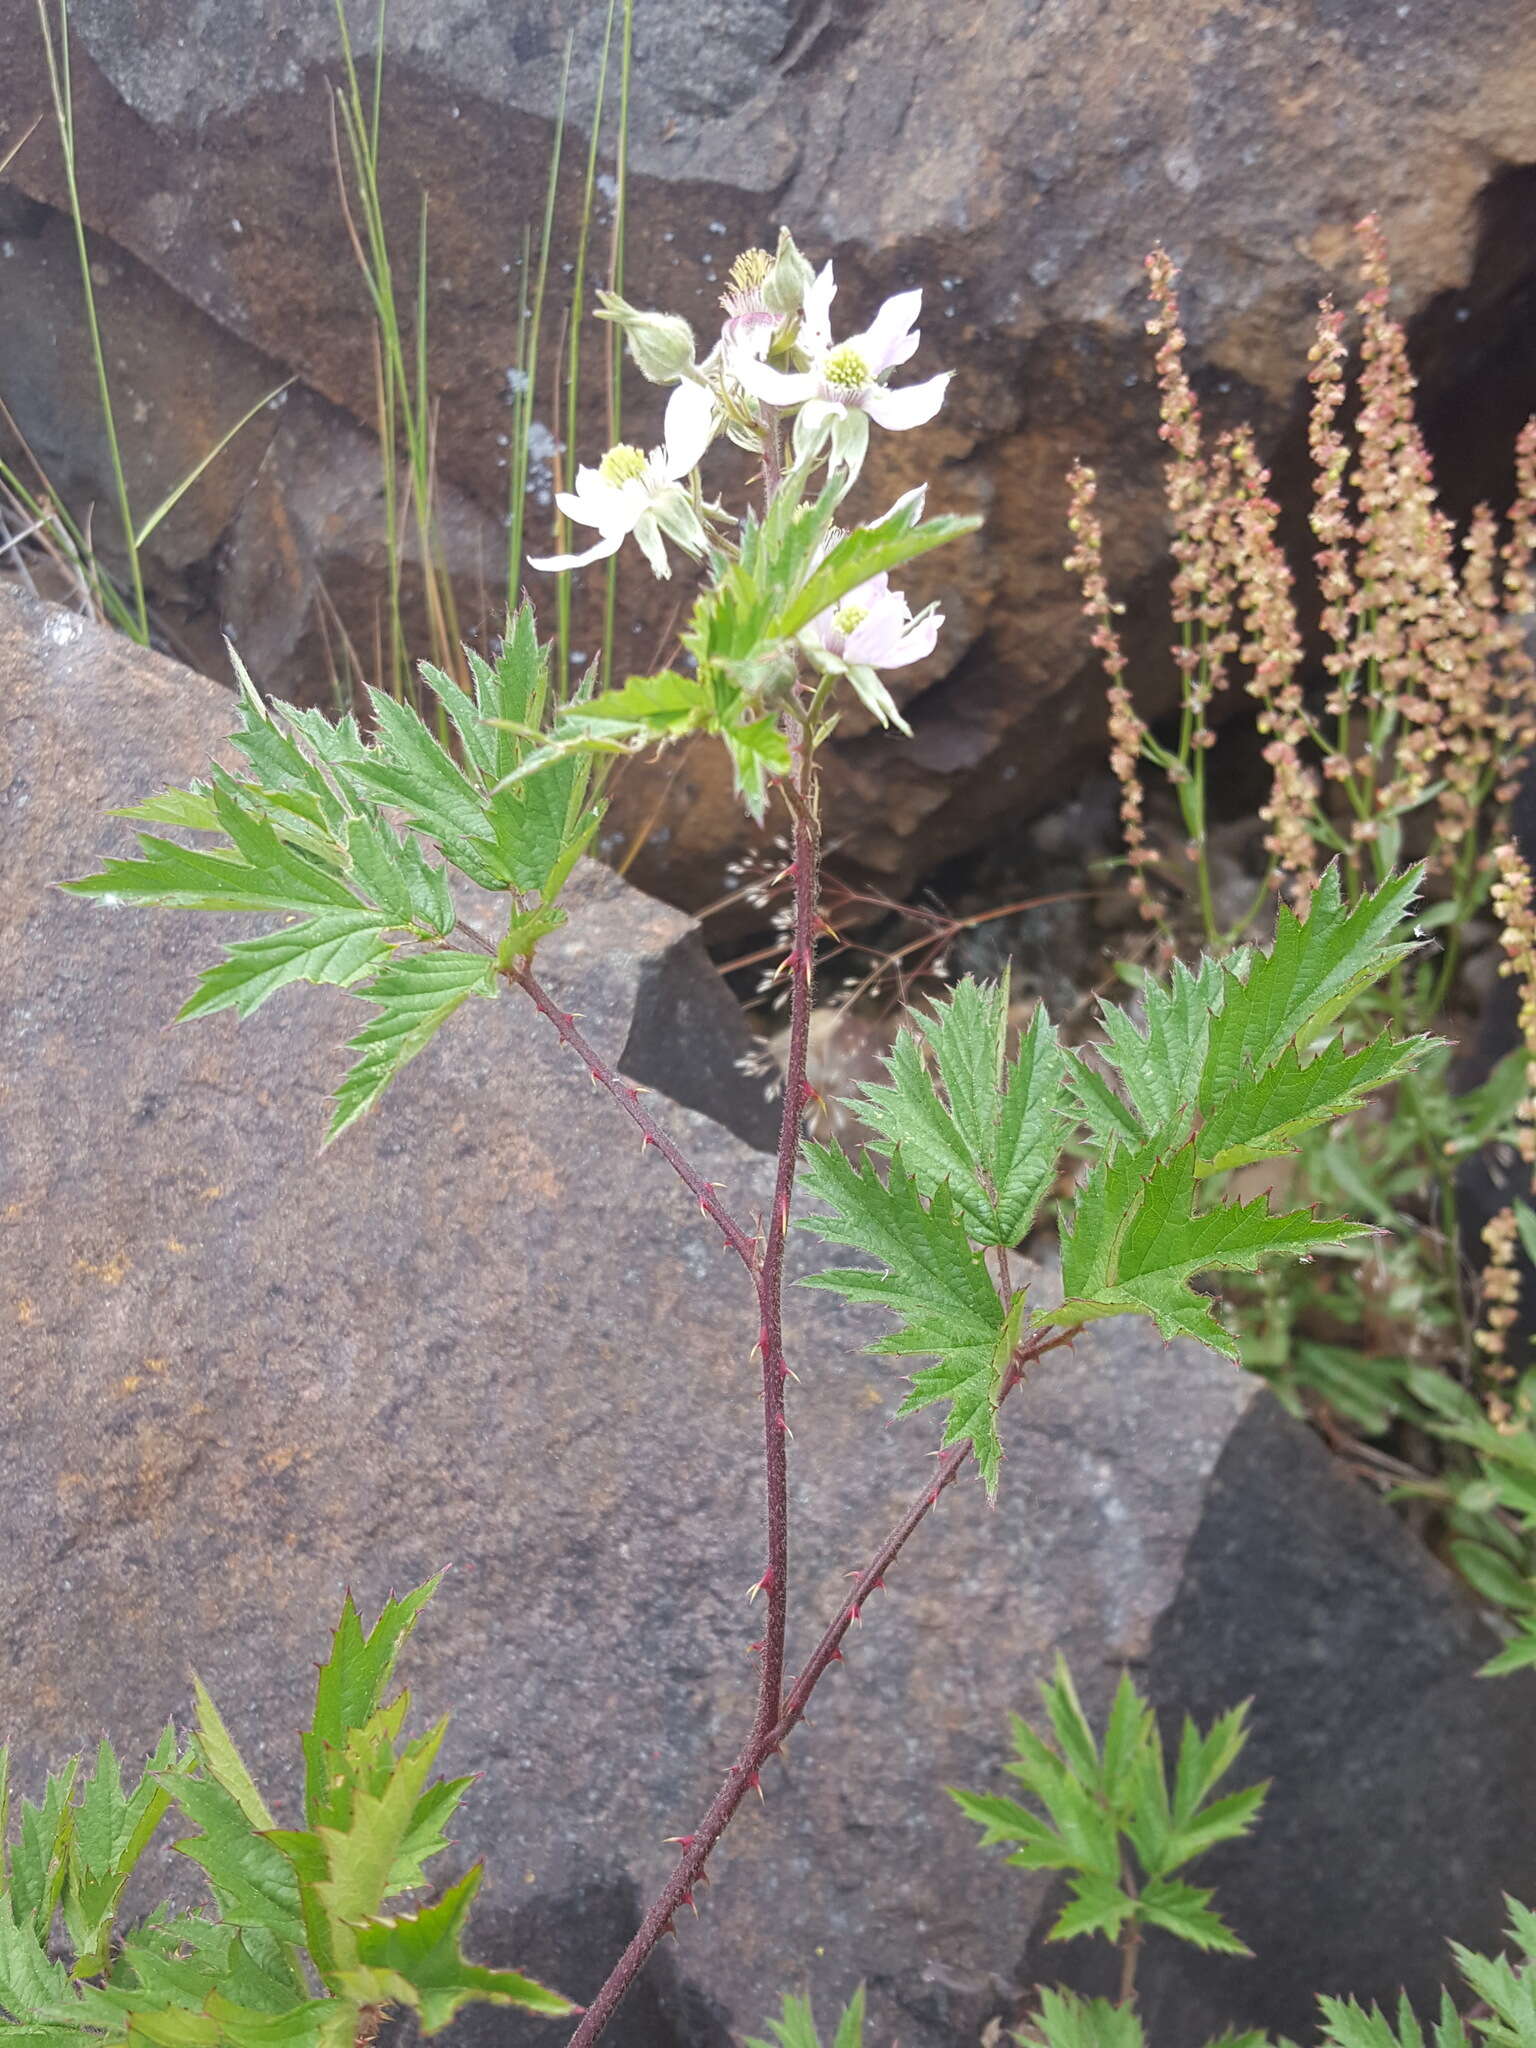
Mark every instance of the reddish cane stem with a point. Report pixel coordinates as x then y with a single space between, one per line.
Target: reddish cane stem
628 1098
743 1774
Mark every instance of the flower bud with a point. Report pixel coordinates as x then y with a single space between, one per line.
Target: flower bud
660 344
789 278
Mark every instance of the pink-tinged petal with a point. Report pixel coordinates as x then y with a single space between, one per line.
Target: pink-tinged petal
608 545
774 387
890 332
879 633
688 428
816 312
914 640
914 406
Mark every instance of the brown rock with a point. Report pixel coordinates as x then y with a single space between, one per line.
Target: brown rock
1017 161
482 1331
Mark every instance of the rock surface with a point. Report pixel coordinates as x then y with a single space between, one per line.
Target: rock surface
1016 160
482 1331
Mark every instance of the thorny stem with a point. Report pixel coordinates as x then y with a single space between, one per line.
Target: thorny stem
651 1134
744 1773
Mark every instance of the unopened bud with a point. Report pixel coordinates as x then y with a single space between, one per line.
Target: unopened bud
660 344
788 280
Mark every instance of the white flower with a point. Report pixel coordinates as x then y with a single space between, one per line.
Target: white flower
873 627
847 377
631 493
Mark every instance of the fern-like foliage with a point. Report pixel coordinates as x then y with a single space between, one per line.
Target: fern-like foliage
310 832
313 1933
1101 1803
1228 1063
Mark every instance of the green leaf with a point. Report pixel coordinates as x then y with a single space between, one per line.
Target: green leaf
111 1831
994 1134
337 947
1263 1119
1313 971
39 1858
30 1981
219 1757
362 1851
850 2028
252 1880
189 810
1067 2021
1097 1906
759 753
1070 1723
414 1959
410 770
1004 1820
1160 1063
350 1687
795 2027
257 871
901 536
936 1284
1493 1576
396 875
1516 1655
1134 1245
416 995
1185 1910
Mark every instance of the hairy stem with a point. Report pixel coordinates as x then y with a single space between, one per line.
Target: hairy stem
770 1279
744 1772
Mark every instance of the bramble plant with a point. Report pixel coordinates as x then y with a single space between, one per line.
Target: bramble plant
348 837
306 1942
1416 740
1115 1823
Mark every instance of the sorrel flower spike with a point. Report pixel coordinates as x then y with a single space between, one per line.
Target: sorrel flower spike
631 493
847 377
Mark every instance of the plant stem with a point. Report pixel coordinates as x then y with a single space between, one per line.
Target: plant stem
743 1774
627 1097
770 1280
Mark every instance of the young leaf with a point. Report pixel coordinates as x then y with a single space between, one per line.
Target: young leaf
1185 1910
416 995
1067 2021
350 1686
1134 1245
415 1960
936 1283
1097 1906
31 1982
994 1135
217 1754
338 947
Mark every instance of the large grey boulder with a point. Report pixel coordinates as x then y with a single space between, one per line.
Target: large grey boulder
1016 160
482 1331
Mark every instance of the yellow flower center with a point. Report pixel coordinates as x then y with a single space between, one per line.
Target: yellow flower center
845 369
849 617
622 465
749 270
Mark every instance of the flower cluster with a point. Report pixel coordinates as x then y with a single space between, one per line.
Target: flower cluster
1514 905
776 354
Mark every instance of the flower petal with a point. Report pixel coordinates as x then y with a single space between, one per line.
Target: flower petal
915 641
608 545
888 340
912 407
816 313
688 427
774 387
